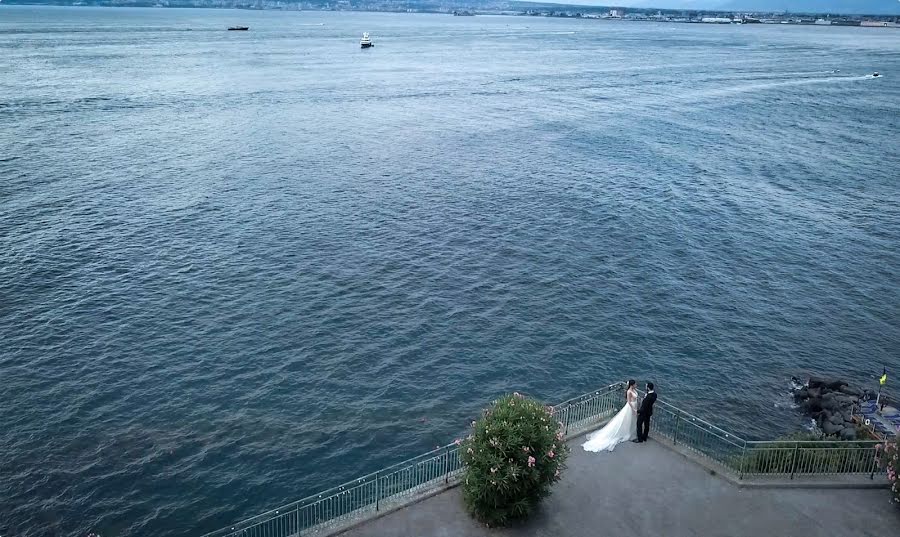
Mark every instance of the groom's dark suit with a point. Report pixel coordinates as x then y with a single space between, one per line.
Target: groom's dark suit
643 417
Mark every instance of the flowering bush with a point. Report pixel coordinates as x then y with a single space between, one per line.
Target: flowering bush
889 456
514 454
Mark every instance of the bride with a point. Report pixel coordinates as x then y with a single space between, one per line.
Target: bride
621 428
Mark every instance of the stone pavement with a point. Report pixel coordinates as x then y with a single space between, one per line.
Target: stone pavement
650 490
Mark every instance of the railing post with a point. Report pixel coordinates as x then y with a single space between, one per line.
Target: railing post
794 459
447 465
675 436
567 420
377 491
874 466
743 459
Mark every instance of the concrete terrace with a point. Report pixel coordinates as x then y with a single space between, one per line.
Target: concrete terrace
649 489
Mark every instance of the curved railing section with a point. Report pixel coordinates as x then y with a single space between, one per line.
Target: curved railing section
431 472
834 461
404 482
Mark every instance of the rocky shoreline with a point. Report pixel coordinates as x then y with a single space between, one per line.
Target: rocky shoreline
830 403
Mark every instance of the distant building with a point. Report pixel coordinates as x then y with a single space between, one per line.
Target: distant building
878 24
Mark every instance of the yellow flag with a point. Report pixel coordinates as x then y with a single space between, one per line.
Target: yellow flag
883 379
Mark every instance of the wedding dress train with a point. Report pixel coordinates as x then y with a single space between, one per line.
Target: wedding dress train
622 428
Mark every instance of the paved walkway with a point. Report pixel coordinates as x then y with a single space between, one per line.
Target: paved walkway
649 490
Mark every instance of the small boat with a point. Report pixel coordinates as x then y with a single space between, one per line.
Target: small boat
876 74
366 41
238 28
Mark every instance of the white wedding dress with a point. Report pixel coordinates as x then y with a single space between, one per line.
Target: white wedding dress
622 428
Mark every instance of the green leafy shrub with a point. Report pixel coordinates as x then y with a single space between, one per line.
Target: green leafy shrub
515 453
889 457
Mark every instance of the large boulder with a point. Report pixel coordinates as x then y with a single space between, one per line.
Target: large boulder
812 405
815 382
836 419
835 384
814 393
831 429
850 390
848 433
802 393
844 400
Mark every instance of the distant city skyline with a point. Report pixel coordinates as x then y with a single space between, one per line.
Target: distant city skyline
818 6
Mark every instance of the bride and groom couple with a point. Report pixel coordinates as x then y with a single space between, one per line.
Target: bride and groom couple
631 423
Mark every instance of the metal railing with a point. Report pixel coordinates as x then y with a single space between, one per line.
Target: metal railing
430 472
403 482
820 459
778 459
344 503
585 412
696 435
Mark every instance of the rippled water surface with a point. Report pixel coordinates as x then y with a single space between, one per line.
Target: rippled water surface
236 268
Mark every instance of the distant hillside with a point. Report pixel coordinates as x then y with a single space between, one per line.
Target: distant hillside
870 7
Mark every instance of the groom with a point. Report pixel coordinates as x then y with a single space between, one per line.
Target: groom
644 413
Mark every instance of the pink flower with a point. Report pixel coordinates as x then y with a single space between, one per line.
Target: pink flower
877 447
526 449
551 454
559 435
457 441
470 451
493 470
556 474
531 461
473 423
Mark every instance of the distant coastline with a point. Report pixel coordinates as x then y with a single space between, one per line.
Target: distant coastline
503 7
